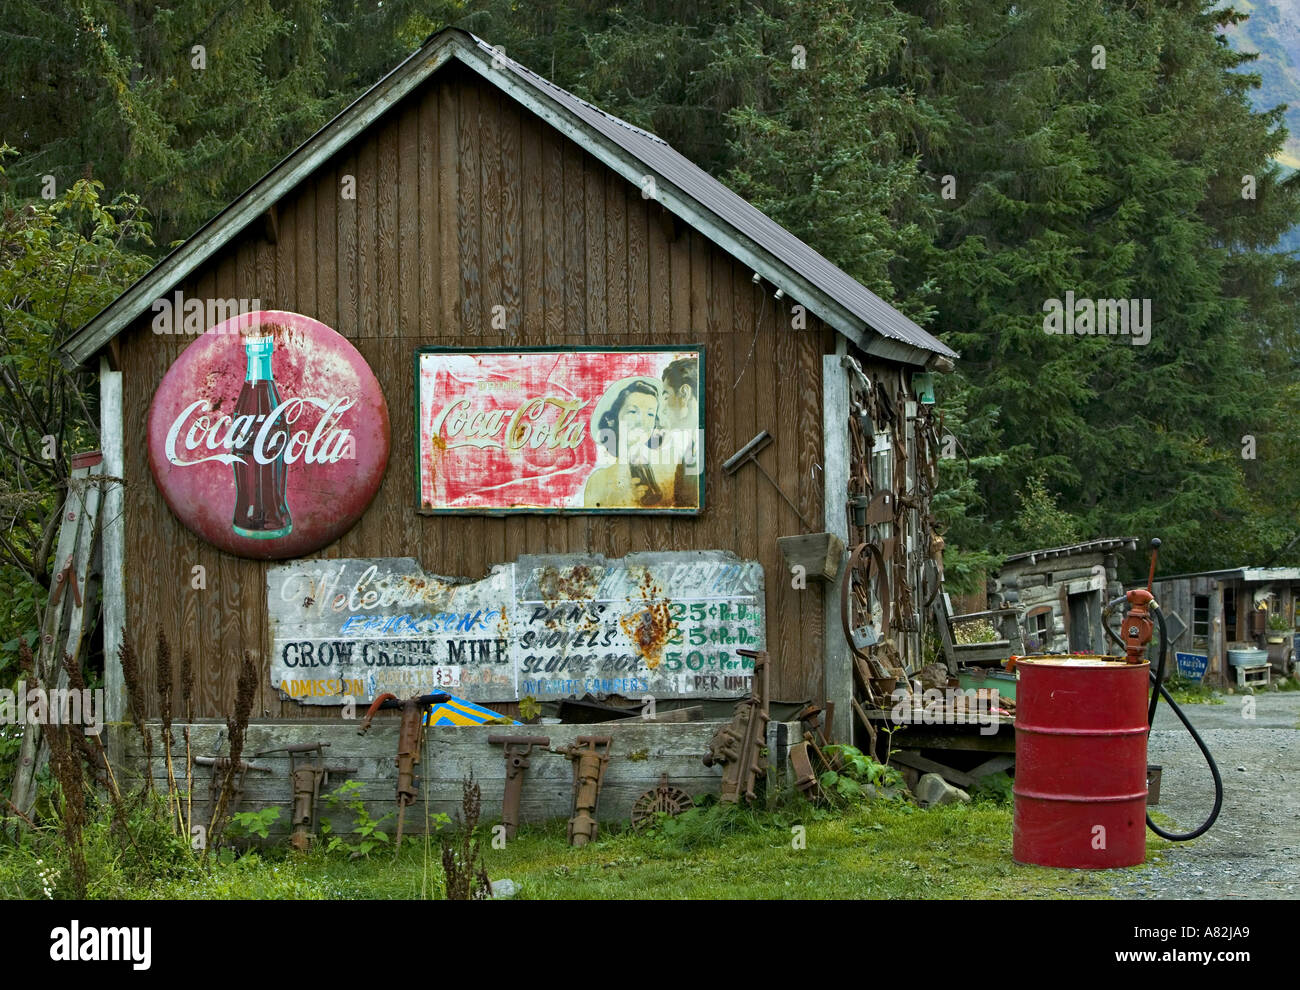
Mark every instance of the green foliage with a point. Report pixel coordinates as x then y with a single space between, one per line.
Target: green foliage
116 88
244 824
993 788
529 708
63 260
366 836
1041 522
1185 691
857 772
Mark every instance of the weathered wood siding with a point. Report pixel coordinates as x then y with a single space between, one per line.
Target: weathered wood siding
639 752
465 201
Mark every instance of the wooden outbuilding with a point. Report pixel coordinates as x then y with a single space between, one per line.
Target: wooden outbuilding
465 204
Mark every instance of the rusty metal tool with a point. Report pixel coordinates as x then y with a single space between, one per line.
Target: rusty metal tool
750 452
589 763
517 750
665 798
738 745
219 765
410 734
306 777
804 778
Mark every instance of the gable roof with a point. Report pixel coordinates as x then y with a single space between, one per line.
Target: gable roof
680 186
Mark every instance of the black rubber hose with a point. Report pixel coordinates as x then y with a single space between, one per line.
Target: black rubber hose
1159 690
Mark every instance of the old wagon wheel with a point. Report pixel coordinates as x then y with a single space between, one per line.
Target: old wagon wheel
672 801
855 598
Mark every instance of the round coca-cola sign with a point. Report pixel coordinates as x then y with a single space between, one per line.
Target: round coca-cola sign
268 436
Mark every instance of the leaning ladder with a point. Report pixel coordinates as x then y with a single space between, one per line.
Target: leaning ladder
71 611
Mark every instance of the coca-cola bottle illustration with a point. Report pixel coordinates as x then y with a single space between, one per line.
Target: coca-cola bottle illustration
261 502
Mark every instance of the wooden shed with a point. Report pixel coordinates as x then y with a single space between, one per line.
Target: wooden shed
1210 613
1060 592
466 206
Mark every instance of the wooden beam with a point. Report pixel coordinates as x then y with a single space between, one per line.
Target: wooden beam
918 762
113 538
837 676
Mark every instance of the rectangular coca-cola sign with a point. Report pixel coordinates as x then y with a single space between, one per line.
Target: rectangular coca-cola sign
578 430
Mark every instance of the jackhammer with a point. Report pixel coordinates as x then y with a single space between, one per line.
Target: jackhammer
517 750
306 777
590 756
410 735
1136 632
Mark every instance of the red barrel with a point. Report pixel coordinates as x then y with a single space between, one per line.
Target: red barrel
1081 762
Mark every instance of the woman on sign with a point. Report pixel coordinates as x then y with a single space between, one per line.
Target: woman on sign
626 423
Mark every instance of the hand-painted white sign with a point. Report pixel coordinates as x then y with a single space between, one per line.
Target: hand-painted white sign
665 624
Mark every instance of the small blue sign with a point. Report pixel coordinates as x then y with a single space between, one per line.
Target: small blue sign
1192 665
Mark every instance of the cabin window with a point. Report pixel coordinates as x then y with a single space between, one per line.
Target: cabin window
1200 619
1040 627
1230 613
882 473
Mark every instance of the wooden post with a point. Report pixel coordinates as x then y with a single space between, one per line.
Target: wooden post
838 672
113 537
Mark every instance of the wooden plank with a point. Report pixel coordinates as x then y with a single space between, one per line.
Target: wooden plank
571 533
639 753
195 627
809 500
325 250
491 218
593 192
113 581
387 247
251 608
511 240
468 213
428 263
224 601
784 467
619 259
752 500
837 676
409 260
637 269
512 247
449 208
396 355
304 249
554 272
918 762
532 237
367 257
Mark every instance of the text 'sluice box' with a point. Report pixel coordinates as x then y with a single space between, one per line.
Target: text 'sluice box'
667 624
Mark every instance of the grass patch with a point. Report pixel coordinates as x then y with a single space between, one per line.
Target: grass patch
880 849
1188 692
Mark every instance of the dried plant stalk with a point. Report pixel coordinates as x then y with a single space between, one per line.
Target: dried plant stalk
164 687
135 702
463 870
246 689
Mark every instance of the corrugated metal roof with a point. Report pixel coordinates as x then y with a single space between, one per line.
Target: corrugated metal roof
704 202
1100 545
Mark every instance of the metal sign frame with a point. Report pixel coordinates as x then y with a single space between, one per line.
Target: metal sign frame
422 509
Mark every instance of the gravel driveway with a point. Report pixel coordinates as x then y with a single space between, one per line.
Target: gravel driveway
1253 850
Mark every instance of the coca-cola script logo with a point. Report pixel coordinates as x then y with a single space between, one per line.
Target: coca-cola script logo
269 435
